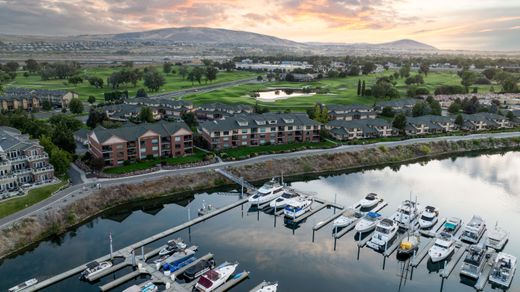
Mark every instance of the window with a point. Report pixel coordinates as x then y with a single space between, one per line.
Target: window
244 137
155 148
244 143
273 129
119 147
226 133
244 131
155 141
262 130
177 139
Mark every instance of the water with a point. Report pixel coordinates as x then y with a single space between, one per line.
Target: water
487 185
277 94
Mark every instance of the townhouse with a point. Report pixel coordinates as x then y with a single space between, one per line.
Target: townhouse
398 105
429 124
125 112
142 141
215 111
485 121
166 107
23 161
259 129
350 112
31 99
360 129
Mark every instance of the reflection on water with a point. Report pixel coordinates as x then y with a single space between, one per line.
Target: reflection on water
271 250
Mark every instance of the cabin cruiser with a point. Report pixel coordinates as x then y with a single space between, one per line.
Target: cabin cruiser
145 287
429 217
444 245
474 230
368 222
267 287
297 207
215 278
282 201
497 238
408 245
23 285
94 268
348 217
268 192
177 257
474 262
503 270
199 269
451 226
385 232
407 212
369 201
173 245
179 264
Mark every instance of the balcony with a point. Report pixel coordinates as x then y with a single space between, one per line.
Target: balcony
7 178
18 158
42 170
22 171
38 157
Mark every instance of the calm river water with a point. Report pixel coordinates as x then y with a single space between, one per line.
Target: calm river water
488 185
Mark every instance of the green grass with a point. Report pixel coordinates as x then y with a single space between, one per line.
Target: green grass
197 156
34 196
341 91
244 152
173 82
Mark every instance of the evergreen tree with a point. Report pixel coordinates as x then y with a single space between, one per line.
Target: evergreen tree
359 87
363 88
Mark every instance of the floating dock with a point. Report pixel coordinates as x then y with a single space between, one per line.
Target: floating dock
390 250
432 232
421 254
446 272
233 281
483 279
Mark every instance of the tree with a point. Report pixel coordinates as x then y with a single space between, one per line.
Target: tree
353 70
359 87
404 71
332 74
459 120
61 160
384 89
190 119
63 121
95 81
75 80
435 107
388 111
424 68
183 71
211 73
420 109
141 92
128 64
95 118
259 78
91 99
146 115
46 105
11 66
363 88
167 67
399 122
510 85
198 72
153 80
454 108
468 78
510 115
32 65
76 106
63 138
489 73
368 68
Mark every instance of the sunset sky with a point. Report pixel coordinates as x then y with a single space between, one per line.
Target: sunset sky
446 24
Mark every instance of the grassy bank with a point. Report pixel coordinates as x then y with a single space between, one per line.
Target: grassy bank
34 196
35 228
246 152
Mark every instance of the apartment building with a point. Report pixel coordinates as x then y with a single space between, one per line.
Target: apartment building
350 112
360 129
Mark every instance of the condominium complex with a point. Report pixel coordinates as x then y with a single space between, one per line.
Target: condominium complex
23 162
260 129
31 99
136 142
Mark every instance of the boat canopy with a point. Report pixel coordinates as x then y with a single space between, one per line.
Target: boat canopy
450 225
430 209
92 265
373 214
371 196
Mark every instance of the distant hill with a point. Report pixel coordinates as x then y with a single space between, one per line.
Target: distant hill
201 35
407 44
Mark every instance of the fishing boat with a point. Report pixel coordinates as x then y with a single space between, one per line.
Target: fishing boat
368 222
497 238
215 278
24 285
172 246
268 192
442 248
503 270
474 262
267 287
199 269
474 230
407 212
205 209
369 201
348 217
145 287
429 217
288 196
408 245
177 257
451 226
297 207
385 233
94 268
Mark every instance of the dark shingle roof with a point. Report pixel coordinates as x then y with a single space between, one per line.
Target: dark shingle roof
132 132
253 121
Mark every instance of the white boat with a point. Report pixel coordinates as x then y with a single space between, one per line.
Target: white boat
429 217
268 192
177 257
497 238
199 269
145 287
94 268
444 245
348 217
503 270
268 287
205 209
385 233
369 201
474 230
215 278
474 262
451 226
282 201
173 245
297 207
407 212
368 222
23 285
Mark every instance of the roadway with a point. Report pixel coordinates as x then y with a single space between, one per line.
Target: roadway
87 186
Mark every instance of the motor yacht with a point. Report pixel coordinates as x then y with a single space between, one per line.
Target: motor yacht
474 230
451 226
369 201
368 222
348 217
268 287
429 217
215 278
297 207
407 212
385 233
199 269
94 268
503 270
288 196
23 285
268 192
497 238
173 245
474 262
442 248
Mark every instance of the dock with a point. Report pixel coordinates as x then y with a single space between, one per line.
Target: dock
233 281
121 280
421 254
446 272
390 250
239 180
434 230
309 214
482 280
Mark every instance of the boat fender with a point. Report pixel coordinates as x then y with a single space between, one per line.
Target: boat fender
157 266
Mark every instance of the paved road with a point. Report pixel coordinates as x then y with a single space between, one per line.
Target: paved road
84 189
204 89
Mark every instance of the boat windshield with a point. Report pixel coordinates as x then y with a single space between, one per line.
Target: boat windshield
470 234
426 218
406 212
382 230
440 245
370 218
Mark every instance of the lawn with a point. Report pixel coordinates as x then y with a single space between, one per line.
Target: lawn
34 196
197 156
244 152
341 91
173 81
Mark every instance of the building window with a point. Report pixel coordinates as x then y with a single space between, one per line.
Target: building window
119 147
177 139
155 148
244 131
155 141
262 130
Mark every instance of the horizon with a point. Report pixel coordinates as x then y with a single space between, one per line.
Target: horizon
486 26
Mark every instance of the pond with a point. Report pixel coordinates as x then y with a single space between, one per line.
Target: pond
487 185
278 94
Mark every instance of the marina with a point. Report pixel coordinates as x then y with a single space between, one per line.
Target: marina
131 264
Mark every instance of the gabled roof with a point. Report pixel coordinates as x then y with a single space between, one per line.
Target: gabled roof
397 103
243 121
133 132
347 108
